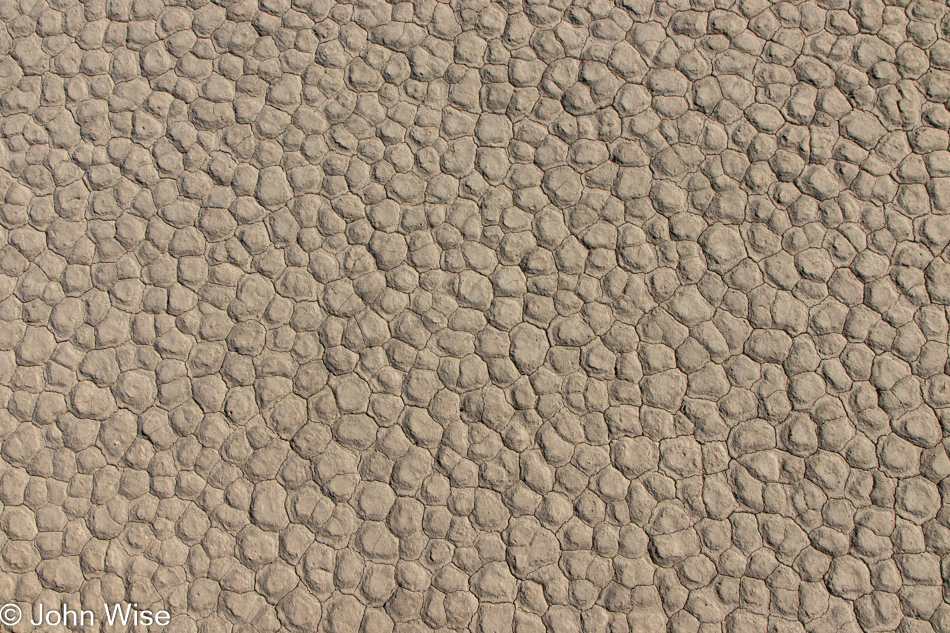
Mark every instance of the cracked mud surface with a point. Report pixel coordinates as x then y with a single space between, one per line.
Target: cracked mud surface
477 316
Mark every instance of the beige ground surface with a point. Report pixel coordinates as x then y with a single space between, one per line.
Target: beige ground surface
477 316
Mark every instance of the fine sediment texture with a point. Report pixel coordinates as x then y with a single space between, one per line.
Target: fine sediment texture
622 317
